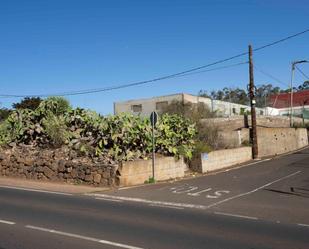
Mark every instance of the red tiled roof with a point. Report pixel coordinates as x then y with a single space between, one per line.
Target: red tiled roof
283 100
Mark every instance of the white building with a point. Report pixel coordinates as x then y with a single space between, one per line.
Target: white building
145 106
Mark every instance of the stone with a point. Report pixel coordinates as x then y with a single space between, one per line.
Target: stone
97 178
74 173
106 174
48 172
39 169
88 178
69 170
28 161
54 166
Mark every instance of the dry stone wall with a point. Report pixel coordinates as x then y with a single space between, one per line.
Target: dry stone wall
62 165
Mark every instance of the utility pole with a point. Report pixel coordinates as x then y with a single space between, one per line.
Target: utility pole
291 89
252 103
291 95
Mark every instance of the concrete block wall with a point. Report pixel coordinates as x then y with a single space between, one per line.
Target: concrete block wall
221 159
237 122
139 171
274 141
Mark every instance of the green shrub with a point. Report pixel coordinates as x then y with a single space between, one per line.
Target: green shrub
115 138
175 136
55 105
56 129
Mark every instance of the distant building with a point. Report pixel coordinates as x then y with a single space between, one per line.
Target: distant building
145 106
282 102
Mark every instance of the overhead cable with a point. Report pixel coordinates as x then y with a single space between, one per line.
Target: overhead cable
88 91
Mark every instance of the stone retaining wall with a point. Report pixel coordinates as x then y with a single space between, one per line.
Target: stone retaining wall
55 165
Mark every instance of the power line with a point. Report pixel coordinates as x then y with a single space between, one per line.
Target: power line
282 40
298 69
88 91
214 69
270 76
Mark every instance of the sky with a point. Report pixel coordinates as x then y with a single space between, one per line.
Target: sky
68 45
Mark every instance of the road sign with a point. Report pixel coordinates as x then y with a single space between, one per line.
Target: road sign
153 118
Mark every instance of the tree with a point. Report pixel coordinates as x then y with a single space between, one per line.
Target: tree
4 113
192 111
304 86
240 96
234 95
28 103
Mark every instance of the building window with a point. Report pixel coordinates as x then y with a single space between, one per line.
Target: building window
136 108
161 105
261 113
234 110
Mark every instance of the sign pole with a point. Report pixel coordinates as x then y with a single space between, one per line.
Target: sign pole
153 151
153 121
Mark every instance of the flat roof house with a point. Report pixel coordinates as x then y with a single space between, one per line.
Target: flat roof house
147 105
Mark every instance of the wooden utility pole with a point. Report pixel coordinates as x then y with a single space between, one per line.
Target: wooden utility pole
252 103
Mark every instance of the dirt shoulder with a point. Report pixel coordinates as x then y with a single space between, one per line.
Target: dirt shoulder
49 186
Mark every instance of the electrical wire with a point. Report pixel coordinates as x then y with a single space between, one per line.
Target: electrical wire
270 76
89 91
306 76
214 69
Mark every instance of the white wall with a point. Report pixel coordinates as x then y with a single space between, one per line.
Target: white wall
296 110
223 108
148 105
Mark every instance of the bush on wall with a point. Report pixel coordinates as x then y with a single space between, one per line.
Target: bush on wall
113 138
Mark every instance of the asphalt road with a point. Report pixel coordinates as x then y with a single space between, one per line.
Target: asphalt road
250 207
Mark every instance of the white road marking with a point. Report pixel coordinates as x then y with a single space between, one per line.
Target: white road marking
252 191
7 222
218 194
139 200
199 193
108 199
164 206
303 225
188 205
72 235
184 189
237 215
35 190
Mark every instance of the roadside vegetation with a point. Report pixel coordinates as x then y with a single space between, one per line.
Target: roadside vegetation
240 96
54 123
207 136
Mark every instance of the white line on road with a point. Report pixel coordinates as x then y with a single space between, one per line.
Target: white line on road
7 222
72 235
139 200
237 215
252 191
164 206
187 205
35 190
107 199
303 225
